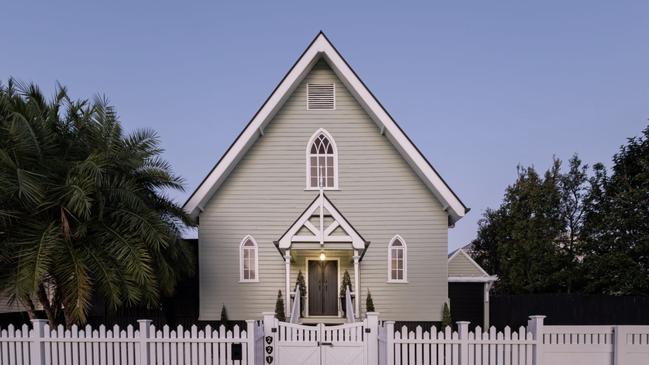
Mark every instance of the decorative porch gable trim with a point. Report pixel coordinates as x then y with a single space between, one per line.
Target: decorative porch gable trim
319 48
321 206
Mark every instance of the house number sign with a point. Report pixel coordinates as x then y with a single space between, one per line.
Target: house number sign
269 349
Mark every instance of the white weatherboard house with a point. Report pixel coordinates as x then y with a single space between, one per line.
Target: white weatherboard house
322 180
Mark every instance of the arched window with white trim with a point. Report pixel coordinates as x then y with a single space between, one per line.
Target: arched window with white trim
397 260
321 161
248 260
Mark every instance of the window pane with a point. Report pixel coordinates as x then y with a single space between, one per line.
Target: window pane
393 276
399 275
245 254
252 274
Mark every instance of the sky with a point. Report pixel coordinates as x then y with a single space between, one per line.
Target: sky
479 86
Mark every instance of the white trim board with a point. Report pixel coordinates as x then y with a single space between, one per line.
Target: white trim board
472 279
319 48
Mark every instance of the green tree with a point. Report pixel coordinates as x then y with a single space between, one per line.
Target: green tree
83 209
616 228
518 241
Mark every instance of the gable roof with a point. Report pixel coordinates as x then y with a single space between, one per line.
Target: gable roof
460 252
320 48
321 206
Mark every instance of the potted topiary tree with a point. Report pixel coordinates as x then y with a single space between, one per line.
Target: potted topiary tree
302 285
224 316
279 307
347 282
369 303
446 316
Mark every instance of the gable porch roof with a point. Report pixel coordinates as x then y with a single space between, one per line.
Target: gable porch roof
319 48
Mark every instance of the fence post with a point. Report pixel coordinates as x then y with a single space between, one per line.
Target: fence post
389 342
535 326
250 332
372 340
463 331
619 345
36 346
270 338
143 336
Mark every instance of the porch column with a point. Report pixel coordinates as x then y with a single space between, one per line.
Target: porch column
287 293
357 288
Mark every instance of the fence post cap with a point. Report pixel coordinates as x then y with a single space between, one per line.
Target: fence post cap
144 321
372 314
268 314
537 316
38 320
463 322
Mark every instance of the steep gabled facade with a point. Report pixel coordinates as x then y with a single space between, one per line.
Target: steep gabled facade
323 181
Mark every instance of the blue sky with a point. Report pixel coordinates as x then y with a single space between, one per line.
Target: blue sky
480 86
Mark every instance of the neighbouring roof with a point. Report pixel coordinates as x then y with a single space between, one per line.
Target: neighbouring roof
321 48
462 268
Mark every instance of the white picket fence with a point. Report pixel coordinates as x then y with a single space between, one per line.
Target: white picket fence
535 344
262 342
42 345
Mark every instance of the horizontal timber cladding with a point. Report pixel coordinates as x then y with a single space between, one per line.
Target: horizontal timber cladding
379 195
461 266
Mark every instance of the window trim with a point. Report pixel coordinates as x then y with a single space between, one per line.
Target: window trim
405 260
241 267
308 159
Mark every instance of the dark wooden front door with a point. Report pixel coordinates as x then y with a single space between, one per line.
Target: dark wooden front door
323 288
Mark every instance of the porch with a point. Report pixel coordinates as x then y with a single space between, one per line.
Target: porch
323 272
322 245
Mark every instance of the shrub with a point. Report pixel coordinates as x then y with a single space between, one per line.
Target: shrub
224 315
279 307
369 303
446 316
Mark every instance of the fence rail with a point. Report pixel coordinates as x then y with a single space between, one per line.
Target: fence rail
378 342
42 345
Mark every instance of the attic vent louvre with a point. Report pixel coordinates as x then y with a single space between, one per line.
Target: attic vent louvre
320 97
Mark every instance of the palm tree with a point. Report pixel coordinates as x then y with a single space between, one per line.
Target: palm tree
83 208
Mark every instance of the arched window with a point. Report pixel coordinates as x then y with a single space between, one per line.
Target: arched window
248 260
321 161
397 260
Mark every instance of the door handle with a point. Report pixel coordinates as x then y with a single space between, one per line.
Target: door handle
326 344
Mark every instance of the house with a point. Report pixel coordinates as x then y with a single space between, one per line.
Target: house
321 181
468 288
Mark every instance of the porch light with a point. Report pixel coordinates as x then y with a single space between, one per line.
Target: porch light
322 256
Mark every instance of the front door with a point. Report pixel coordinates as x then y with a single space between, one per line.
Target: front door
323 288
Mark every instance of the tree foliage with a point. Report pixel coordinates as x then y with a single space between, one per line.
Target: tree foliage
571 232
616 223
83 209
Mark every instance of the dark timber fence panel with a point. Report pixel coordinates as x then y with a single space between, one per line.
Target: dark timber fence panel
569 309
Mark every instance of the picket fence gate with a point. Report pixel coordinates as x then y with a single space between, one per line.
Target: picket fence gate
368 342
